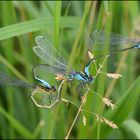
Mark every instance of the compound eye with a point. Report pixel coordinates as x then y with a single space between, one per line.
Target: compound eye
91 78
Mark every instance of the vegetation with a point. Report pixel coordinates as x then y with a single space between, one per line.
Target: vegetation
68 25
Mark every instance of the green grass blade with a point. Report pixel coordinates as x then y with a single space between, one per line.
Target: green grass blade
35 25
8 17
131 129
38 129
30 8
124 106
79 31
17 73
16 125
57 18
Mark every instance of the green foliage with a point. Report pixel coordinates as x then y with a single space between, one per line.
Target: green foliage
68 24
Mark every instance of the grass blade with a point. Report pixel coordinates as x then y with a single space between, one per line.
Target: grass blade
19 128
124 106
35 25
131 127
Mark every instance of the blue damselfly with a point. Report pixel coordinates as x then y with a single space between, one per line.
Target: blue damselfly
44 96
57 64
114 40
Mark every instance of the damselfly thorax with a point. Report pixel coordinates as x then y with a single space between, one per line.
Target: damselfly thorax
46 89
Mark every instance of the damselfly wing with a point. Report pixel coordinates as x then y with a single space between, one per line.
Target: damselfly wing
114 39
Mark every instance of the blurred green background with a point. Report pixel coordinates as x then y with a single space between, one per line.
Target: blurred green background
68 23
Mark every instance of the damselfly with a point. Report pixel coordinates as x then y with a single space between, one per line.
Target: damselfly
102 37
44 96
57 64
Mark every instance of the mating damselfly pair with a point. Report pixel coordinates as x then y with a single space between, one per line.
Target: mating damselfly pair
45 95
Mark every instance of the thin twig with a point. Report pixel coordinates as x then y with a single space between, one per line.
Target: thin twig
79 110
67 136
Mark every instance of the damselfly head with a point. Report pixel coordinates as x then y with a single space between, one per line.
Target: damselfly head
73 72
91 79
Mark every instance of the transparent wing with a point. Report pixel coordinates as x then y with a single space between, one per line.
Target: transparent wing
10 81
44 99
52 62
48 53
46 69
100 37
46 73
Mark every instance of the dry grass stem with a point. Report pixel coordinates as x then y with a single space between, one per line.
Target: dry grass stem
90 55
107 122
84 120
109 103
